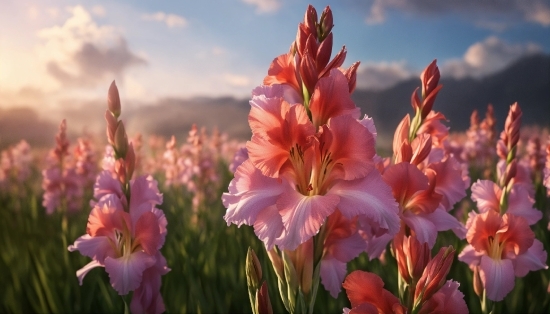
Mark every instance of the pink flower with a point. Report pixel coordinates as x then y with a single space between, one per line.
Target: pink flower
503 247
125 243
487 195
63 188
296 177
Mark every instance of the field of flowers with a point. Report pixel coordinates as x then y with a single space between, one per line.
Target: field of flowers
306 216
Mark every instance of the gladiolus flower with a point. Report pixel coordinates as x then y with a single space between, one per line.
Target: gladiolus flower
503 247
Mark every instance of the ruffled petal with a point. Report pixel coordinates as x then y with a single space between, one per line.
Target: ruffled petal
269 226
81 273
487 195
497 277
532 260
249 193
144 196
331 98
369 196
520 203
333 273
303 215
350 147
97 248
445 221
424 229
126 272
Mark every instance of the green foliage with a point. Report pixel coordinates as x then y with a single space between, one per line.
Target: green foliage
206 257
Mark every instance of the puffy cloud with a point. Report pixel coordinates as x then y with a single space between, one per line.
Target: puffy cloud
486 57
171 20
80 53
264 6
536 11
377 76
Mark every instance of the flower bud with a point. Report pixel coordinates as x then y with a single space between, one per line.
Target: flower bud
434 275
253 270
113 100
325 23
263 303
121 141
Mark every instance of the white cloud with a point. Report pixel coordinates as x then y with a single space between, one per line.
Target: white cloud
487 57
171 20
81 53
264 6
99 10
377 76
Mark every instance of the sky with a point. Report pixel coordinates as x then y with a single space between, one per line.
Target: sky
59 52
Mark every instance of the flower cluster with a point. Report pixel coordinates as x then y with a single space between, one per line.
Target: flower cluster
502 246
67 176
15 165
309 185
431 293
126 230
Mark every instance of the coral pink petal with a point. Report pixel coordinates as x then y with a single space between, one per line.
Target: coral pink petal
144 197
81 273
269 226
104 218
448 300
350 145
445 221
282 71
126 272
449 182
364 287
277 128
331 98
470 256
249 193
147 232
97 248
482 227
497 277
487 195
532 260
405 180
520 203
287 92
105 184
303 215
333 273
377 245
369 196
424 229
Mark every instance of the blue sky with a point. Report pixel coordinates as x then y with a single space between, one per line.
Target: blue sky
64 50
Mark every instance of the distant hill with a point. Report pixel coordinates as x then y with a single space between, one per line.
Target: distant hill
527 81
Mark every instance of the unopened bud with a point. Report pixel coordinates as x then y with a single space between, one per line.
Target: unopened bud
263 303
325 23
434 274
478 284
121 140
253 269
113 100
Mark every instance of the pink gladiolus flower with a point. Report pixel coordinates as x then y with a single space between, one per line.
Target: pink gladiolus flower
300 171
62 185
487 195
125 243
503 247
